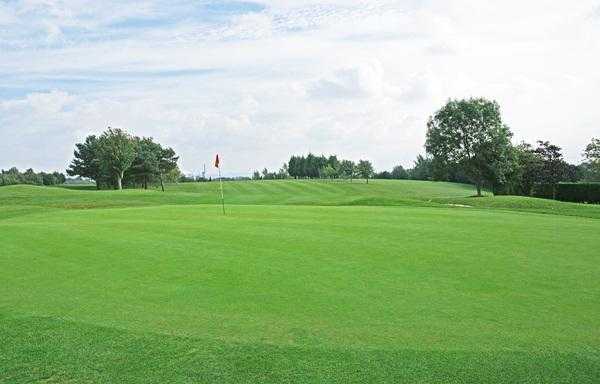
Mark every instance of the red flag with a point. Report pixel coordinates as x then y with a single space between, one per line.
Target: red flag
217 161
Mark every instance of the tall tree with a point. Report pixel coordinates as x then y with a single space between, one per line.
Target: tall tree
30 177
334 163
471 134
295 166
553 167
365 169
167 163
86 162
592 155
422 169
528 167
175 175
13 176
283 172
399 173
145 166
329 172
117 153
347 169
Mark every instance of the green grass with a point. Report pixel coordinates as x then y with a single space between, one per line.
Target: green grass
15 200
327 284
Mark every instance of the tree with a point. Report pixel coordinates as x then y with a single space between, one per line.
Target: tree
383 175
527 169
422 169
10 177
116 159
30 177
471 134
553 167
347 169
49 178
310 166
329 172
60 177
295 166
166 163
334 163
365 169
399 173
589 173
117 153
87 160
173 176
283 172
145 166
13 176
592 154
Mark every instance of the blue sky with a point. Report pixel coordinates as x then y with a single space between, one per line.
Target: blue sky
259 80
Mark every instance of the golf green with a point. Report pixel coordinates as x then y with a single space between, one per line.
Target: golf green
171 291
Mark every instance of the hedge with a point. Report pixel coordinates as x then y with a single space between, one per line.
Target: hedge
543 191
579 192
573 192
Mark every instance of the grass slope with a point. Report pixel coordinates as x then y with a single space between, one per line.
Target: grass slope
23 199
160 290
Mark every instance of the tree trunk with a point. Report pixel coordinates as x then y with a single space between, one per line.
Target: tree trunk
145 182
162 186
97 185
478 189
367 180
119 180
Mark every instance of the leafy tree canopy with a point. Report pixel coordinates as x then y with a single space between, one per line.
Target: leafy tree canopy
470 134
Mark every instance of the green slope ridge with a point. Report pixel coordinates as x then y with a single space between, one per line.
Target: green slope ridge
16 200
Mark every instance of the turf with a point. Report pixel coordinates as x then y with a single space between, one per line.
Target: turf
152 288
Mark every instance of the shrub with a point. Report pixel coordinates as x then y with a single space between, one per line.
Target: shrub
543 191
579 192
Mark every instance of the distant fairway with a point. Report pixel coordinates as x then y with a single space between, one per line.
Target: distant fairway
394 281
378 192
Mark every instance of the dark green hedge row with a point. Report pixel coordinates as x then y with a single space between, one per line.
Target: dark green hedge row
543 191
579 192
574 192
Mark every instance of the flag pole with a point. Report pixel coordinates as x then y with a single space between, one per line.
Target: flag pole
222 197
218 165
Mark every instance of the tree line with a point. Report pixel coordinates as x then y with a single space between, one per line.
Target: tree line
115 159
311 167
13 176
330 167
468 141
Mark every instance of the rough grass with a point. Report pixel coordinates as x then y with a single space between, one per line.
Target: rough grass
156 289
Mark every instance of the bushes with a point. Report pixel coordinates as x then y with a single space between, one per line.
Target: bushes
579 192
14 176
573 192
544 191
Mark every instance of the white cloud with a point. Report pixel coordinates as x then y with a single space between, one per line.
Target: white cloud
41 103
362 80
357 78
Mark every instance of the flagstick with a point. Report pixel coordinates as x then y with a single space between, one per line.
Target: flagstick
221 184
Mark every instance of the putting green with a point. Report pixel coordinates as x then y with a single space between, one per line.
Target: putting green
180 293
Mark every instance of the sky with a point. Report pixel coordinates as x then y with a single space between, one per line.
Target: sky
257 81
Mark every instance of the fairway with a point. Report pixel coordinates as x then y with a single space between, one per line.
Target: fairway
388 282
